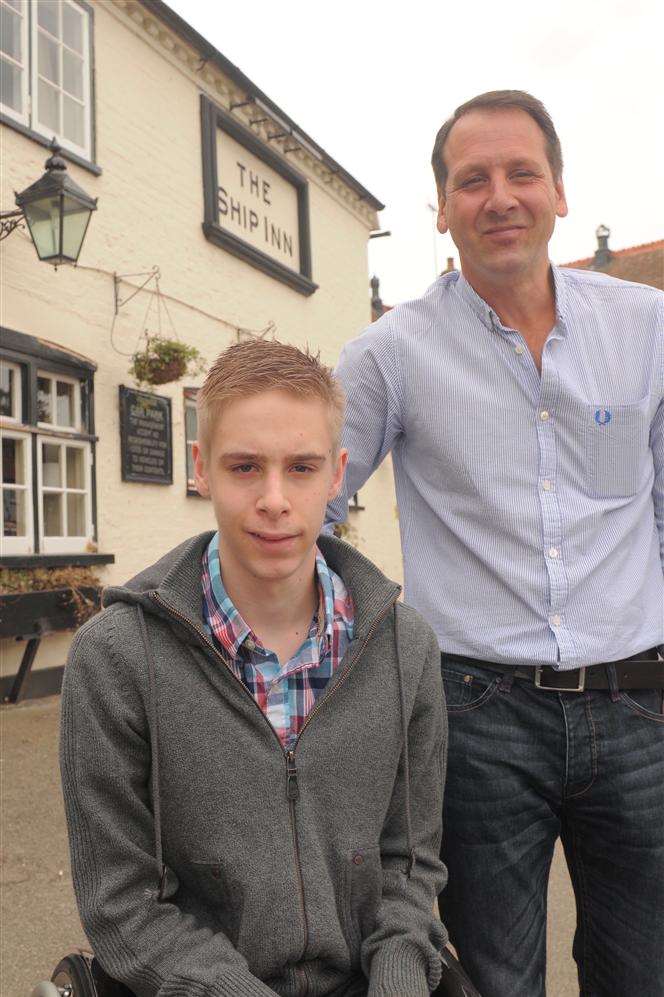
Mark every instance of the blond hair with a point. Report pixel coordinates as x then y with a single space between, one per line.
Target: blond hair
258 365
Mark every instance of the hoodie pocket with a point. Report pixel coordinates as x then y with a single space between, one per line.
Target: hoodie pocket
362 895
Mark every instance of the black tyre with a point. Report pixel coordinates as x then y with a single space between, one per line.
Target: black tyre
74 972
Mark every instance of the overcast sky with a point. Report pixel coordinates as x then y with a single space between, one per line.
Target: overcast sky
371 83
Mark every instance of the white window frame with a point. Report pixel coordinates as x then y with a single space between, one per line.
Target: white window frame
76 428
17 408
23 117
64 544
189 403
20 545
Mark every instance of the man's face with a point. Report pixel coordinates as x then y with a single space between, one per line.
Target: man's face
501 199
270 470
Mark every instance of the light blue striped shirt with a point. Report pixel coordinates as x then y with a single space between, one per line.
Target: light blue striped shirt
531 507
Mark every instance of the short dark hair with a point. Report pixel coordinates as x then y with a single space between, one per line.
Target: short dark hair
496 100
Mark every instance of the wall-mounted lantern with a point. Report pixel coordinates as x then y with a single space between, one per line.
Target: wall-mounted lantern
56 210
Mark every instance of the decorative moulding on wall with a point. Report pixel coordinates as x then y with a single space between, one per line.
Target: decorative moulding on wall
256 204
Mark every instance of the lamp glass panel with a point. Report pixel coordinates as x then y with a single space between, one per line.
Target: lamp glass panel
49 59
7 389
49 106
75 468
43 218
53 514
10 33
10 86
72 27
44 404
73 120
13 513
47 16
75 515
51 472
75 222
65 414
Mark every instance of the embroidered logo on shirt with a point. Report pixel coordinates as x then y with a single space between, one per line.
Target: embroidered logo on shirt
602 417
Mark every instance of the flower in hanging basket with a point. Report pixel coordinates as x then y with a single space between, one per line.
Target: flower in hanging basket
163 360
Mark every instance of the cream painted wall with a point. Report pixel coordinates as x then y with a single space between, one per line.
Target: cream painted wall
150 214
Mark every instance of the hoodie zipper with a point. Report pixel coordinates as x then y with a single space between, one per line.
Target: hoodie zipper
292 788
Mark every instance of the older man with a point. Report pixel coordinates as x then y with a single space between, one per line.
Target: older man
523 406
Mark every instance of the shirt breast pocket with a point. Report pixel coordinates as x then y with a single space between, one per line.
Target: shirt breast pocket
616 446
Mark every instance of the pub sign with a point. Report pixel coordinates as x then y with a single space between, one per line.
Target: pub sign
256 204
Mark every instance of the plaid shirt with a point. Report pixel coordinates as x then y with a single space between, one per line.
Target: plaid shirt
287 694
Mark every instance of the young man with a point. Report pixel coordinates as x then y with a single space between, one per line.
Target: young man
253 737
524 405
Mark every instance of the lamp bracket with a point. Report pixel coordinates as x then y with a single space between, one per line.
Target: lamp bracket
118 278
9 220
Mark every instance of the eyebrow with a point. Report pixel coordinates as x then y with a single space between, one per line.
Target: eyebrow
248 456
511 163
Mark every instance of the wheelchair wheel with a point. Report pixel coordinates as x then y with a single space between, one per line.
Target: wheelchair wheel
72 977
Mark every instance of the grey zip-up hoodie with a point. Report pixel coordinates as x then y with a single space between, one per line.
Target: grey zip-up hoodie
312 873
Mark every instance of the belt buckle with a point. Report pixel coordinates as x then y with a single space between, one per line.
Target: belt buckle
556 688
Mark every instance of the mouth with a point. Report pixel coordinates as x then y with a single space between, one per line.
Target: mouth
504 230
273 539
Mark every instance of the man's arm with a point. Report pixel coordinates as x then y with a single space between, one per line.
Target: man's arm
149 945
369 374
402 955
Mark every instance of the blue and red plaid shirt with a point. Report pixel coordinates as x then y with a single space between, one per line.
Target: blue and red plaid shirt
287 694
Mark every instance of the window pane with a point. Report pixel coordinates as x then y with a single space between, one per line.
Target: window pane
64 404
44 413
7 389
75 515
47 16
49 106
49 59
75 468
13 509
52 514
190 423
10 33
190 464
72 75
16 4
10 86
72 27
51 477
13 461
73 123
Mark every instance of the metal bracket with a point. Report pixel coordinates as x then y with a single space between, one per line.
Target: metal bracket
9 220
149 275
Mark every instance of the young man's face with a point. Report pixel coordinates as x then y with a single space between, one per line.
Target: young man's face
270 470
501 199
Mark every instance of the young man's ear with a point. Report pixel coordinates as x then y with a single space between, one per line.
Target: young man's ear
200 470
339 471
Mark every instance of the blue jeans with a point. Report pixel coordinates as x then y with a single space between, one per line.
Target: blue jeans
527 766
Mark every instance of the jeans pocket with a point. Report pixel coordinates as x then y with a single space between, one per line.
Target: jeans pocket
464 689
616 446
646 703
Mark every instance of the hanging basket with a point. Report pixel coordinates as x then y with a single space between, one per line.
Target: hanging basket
165 360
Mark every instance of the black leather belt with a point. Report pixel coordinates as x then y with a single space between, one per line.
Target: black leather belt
642 671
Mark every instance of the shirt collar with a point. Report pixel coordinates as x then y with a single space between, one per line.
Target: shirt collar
489 317
235 630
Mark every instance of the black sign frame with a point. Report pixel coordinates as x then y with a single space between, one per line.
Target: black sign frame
212 118
128 397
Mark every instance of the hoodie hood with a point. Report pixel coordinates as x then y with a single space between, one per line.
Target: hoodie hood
173 583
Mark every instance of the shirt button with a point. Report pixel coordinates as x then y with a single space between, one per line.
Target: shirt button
358 858
544 415
519 350
547 485
553 552
555 621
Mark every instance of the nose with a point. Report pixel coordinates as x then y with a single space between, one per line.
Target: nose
500 198
273 500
